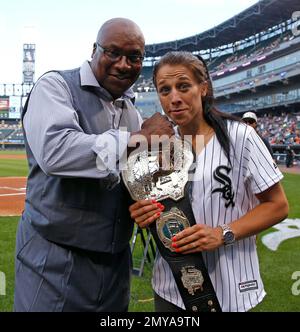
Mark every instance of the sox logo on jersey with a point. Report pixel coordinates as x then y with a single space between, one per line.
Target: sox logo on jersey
226 190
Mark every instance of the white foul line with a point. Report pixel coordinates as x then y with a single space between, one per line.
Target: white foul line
3 195
11 188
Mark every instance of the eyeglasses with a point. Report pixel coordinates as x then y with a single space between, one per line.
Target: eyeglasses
115 56
249 121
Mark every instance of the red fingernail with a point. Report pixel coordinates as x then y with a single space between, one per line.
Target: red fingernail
174 245
153 201
173 238
162 207
158 214
177 250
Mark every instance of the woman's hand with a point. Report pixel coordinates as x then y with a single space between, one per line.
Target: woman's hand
144 212
197 238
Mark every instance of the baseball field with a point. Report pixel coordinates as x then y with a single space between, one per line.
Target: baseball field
279 247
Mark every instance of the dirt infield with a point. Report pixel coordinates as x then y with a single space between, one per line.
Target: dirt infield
292 170
12 195
12 189
12 156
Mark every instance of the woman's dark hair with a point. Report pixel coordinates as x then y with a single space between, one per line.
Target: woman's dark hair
216 119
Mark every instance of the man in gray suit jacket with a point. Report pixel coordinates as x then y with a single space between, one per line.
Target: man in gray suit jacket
72 250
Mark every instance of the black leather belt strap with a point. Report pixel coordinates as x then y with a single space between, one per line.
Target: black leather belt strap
185 267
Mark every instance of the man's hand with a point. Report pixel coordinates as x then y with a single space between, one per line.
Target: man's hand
157 125
153 129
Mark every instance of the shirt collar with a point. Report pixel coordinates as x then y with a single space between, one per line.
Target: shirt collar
88 78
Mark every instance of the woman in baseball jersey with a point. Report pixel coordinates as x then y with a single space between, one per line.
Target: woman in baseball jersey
236 194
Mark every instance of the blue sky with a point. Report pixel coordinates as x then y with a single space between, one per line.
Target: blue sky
64 30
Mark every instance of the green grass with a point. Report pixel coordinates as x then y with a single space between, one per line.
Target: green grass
141 299
141 291
276 267
13 167
8 228
291 183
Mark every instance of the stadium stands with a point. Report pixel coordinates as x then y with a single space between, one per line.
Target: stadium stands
4 133
281 130
11 134
250 24
254 61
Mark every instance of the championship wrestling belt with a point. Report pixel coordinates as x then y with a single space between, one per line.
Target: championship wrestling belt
145 178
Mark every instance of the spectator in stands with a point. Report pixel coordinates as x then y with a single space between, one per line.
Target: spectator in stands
250 119
289 159
72 251
236 191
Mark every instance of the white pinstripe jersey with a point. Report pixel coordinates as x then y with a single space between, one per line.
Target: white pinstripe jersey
234 270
